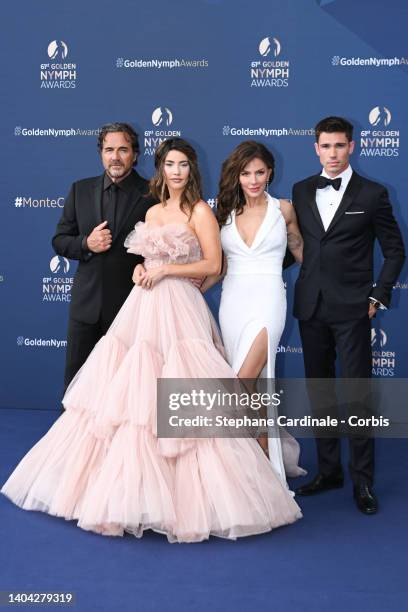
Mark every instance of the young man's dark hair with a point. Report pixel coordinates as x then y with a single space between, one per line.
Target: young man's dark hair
334 124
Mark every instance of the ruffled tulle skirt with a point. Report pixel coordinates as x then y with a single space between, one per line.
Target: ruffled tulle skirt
101 462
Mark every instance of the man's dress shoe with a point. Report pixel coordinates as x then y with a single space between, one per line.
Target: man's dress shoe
321 483
365 499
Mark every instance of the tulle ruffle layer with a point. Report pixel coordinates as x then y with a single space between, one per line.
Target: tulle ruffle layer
101 462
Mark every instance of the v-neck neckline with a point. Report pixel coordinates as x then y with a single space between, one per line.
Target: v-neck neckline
257 231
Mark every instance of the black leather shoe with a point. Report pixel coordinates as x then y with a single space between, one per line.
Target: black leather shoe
321 483
365 499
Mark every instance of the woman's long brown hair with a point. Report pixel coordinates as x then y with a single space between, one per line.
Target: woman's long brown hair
192 192
231 196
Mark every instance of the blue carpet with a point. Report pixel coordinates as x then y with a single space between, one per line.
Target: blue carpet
334 558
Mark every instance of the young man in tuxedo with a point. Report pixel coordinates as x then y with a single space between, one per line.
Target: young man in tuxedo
99 213
340 216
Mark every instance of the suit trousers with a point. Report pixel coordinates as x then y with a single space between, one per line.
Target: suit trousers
323 340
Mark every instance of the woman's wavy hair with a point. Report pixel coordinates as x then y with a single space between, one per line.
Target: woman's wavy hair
230 196
192 192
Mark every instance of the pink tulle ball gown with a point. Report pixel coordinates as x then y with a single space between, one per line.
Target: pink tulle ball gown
101 463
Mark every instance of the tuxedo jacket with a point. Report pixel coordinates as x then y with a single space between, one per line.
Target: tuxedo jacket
338 263
103 280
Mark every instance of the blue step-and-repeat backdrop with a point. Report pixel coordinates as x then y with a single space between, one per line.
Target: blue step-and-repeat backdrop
214 72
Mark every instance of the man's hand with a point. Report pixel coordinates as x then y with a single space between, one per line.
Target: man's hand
138 273
100 239
372 311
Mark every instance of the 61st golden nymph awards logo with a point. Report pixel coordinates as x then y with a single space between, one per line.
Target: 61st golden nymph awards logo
269 71
162 119
57 287
383 359
380 140
58 73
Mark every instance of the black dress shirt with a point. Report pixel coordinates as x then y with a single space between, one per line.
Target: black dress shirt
114 200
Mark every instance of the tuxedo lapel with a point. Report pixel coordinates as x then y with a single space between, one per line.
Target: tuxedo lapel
311 197
353 188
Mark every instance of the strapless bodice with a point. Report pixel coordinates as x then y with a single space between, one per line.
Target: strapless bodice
163 244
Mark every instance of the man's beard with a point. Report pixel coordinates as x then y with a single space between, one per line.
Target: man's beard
118 172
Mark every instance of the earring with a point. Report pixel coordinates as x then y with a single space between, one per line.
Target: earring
267 186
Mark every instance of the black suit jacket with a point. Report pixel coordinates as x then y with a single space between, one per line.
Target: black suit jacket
103 280
338 263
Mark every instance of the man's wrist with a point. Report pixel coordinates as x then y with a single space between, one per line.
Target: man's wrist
85 248
84 244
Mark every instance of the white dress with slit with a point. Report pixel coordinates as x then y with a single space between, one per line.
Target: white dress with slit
254 298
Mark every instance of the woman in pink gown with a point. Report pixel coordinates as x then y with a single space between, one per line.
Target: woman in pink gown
101 462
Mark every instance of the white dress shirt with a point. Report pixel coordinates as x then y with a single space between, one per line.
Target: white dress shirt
328 199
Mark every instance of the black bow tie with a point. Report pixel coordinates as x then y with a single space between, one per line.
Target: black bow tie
324 182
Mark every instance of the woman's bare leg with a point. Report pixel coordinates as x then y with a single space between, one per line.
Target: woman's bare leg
253 365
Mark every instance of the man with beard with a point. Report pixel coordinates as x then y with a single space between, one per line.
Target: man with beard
99 213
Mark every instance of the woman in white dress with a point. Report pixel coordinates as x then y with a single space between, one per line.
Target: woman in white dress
255 232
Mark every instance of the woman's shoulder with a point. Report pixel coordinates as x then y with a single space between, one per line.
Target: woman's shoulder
284 204
202 214
202 210
153 212
286 208
202 207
